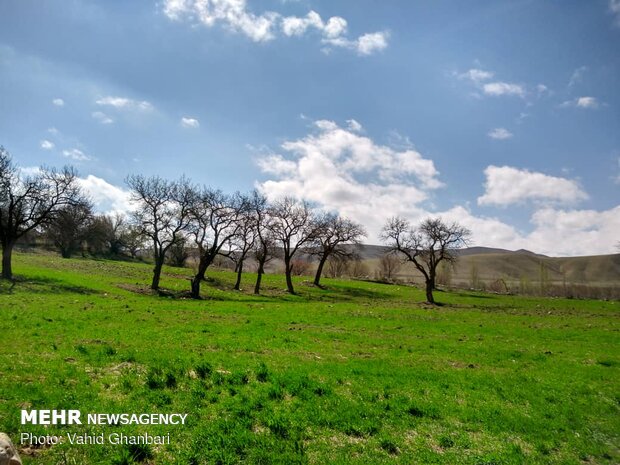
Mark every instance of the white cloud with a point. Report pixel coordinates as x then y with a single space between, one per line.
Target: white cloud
76 154
341 170
555 232
58 102
188 122
506 185
480 78
476 75
500 134
296 26
234 14
52 131
581 102
107 197
123 103
575 232
368 44
102 117
47 145
587 102
496 89
354 125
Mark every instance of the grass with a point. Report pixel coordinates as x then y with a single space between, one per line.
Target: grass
357 373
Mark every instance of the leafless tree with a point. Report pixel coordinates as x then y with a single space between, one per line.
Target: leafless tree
28 202
264 244
245 238
432 242
69 227
337 266
389 266
162 213
292 227
214 222
332 232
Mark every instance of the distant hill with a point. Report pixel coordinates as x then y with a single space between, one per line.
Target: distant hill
492 263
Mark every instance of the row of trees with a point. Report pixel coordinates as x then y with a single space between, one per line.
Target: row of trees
168 214
234 225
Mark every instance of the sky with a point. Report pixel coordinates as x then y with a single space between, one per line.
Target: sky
503 116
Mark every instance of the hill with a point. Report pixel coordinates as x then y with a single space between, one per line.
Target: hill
490 264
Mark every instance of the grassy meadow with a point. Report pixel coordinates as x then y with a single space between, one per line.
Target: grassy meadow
357 373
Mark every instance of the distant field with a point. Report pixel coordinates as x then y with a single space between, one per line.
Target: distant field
358 373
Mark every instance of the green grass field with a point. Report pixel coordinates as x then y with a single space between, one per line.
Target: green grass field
358 373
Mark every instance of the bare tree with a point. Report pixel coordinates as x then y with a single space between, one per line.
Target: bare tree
162 213
432 242
292 227
264 244
28 202
331 233
389 266
338 266
69 227
214 222
245 239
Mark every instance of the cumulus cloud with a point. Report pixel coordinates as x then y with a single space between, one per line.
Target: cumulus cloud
587 102
500 134
480 78
234 14
106 197
496 89
76 154
47 145
123 103
555 232
339 169
354 125
581 102
506 185
102 117
58 102
188 122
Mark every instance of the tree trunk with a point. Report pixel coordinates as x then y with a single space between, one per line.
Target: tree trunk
239 271
200 276
319 270
259 277
7 252
289 280
429 291
195 287
159 263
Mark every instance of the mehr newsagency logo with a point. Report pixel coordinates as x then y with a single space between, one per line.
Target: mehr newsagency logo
75 417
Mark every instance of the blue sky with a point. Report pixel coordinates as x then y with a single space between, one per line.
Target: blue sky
503 116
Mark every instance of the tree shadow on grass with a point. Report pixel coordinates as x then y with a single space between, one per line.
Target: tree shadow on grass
42 285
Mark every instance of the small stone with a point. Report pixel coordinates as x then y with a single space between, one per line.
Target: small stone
8 452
